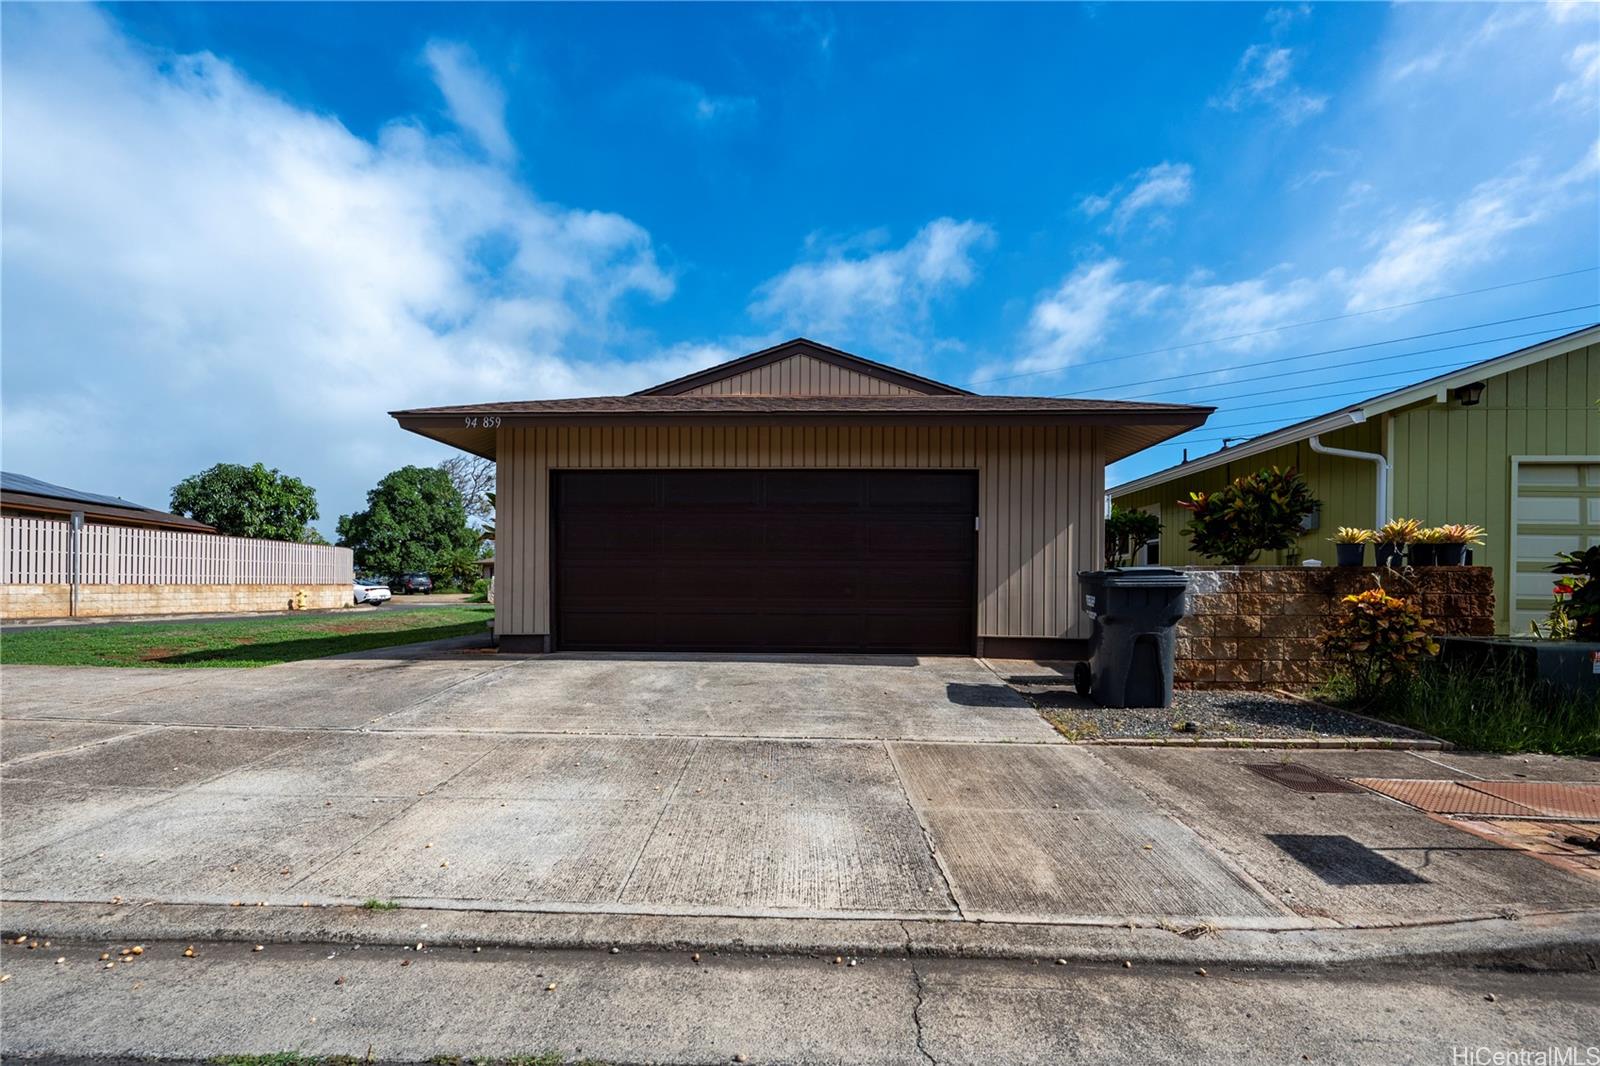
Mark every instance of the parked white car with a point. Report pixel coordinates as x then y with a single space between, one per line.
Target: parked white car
376 594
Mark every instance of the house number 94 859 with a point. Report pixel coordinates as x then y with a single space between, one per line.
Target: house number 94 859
485 422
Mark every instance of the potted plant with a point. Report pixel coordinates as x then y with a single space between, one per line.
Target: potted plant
1393 538
1425 546
1453 541
1351 545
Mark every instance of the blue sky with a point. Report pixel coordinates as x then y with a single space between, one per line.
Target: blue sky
239 233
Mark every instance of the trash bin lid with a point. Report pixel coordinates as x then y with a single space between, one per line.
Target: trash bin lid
1164 576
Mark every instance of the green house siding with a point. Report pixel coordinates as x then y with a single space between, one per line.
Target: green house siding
1453 463
1346 487
1448 463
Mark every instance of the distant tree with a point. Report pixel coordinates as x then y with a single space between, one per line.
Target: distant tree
247 501
415 521
473 477
312 535
1126 532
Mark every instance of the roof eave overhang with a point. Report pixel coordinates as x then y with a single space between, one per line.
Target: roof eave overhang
1265 443
1147 428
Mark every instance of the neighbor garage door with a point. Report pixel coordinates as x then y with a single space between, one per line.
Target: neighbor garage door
1556 509
753 560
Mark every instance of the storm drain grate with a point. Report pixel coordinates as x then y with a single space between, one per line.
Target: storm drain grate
1446 797
1547 797
1300 778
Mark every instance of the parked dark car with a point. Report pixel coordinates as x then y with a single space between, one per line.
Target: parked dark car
409 583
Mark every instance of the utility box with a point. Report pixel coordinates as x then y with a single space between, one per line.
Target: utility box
1136 610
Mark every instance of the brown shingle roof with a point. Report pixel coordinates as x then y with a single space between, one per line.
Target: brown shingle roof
756 406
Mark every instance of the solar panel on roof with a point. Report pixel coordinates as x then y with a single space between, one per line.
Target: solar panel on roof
10 482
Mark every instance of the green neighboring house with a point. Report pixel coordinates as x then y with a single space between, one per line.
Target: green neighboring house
1511 444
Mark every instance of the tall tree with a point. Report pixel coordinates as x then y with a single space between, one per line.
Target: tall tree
473 477
247 501
415 521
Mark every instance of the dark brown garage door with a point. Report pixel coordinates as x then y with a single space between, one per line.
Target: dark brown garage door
751 560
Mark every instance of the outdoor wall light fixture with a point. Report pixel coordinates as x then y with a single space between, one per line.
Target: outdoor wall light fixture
1470 395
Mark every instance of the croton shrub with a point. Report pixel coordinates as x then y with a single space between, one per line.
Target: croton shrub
1376 638
1255 513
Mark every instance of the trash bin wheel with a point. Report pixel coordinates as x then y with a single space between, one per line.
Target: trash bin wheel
1082 679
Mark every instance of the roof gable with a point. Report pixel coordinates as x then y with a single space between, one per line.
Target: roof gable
802 367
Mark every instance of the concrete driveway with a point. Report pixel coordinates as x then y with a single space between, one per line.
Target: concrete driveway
849 787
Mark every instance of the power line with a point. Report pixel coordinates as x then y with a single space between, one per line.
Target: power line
1356 393
1337 351
1279 329
1282 422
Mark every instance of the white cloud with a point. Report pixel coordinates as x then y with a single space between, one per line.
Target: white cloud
1426 250
1584 87
884 295
1146 192
1070 320
198 270
1264 74
1238 309
475 101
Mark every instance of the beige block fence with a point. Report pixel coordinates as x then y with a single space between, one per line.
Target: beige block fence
48 569
1261 626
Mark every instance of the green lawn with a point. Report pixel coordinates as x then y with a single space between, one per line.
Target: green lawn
246 642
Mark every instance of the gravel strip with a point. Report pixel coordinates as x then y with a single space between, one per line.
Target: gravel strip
1200 714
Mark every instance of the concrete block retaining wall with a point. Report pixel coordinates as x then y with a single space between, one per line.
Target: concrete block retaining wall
1261 626
100 601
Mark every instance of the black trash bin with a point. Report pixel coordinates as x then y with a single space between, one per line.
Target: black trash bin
1136 610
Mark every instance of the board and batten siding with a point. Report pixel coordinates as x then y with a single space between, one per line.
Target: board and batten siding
1448 463
1346 487
801 375
1040 490
1453 463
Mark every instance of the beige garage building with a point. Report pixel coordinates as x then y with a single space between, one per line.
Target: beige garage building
799 499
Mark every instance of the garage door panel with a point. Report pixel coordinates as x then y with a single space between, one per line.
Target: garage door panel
813 489
922 585
1555 508
832 536
852 560
718 535
634 629
820 586
816 630
620 489
583 584
930 536
582 536
892 629
708 581
731 488
922 492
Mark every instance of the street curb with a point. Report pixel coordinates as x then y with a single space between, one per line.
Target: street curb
1559 941
1307 743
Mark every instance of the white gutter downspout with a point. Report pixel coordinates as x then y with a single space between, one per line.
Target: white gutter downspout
1381 511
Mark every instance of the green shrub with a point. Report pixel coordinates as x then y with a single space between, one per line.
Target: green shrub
1583 610
480 592
1377 638
1255 513
1126 530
